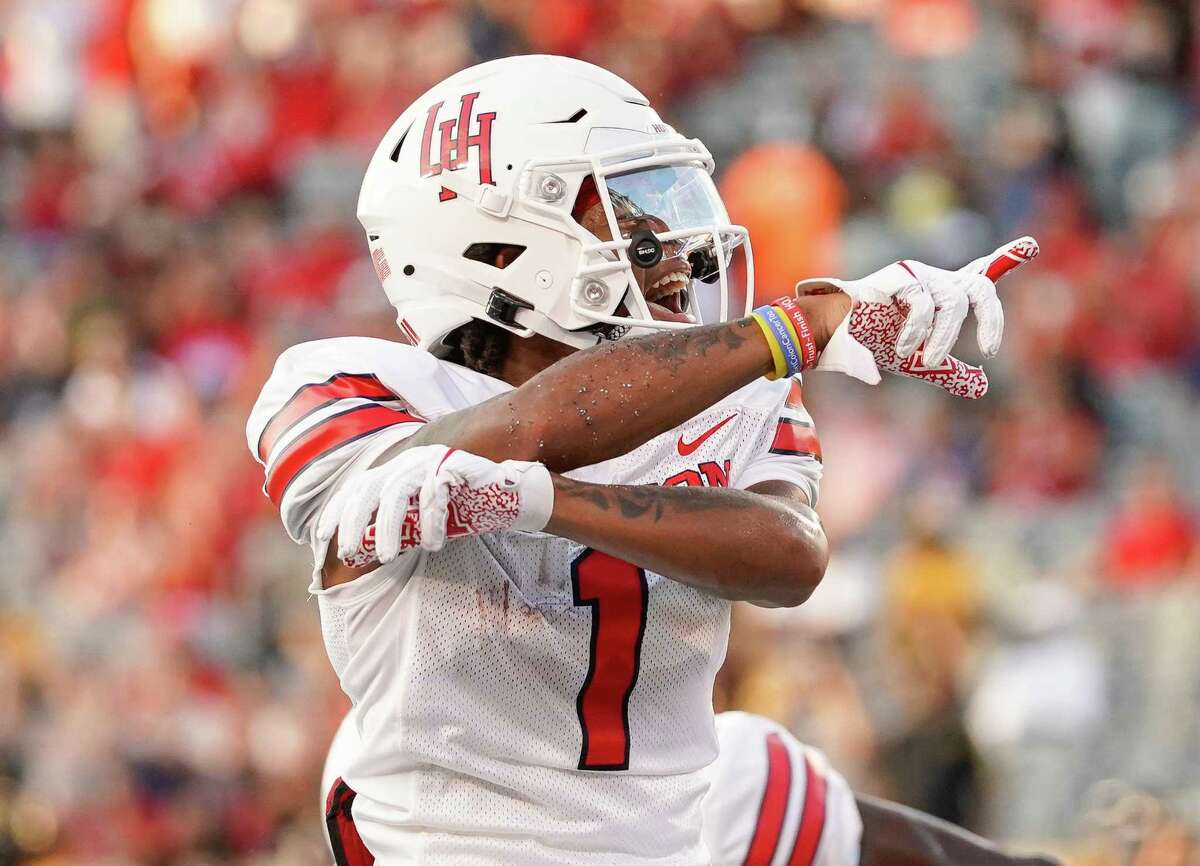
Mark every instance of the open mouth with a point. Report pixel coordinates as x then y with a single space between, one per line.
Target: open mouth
667 297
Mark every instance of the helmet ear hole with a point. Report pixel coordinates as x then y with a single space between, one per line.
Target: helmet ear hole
498 255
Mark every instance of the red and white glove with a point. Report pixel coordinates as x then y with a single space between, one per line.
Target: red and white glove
905 318
430 493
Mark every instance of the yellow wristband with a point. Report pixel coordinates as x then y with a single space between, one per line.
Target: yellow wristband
787 320
781 367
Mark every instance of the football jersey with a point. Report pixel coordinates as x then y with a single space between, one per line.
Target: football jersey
519 698
774 801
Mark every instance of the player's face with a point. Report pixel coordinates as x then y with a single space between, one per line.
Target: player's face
665 286
680 206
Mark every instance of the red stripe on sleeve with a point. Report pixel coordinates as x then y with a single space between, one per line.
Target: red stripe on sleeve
795 396
774 804
312 397
331 434
812 819
795 438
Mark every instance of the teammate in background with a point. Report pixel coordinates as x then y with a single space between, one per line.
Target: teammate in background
528 531
774 801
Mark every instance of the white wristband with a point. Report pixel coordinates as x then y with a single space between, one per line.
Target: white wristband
844 354
535 486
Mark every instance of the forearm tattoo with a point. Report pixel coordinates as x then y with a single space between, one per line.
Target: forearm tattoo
681 347
653 502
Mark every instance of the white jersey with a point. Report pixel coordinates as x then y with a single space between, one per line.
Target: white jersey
772 801
775 801
519 698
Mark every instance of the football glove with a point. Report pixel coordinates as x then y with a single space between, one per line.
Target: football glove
906 317
430 493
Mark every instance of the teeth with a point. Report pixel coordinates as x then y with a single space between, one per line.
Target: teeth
680 277
673 277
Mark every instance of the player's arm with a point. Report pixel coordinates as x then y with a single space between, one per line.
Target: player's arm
605 401
895 835
764 545
761 543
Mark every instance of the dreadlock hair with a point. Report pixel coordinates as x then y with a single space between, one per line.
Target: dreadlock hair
478 346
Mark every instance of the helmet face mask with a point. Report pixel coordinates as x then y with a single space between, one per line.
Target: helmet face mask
512 164
668 199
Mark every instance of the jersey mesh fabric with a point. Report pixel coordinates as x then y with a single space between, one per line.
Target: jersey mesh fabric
465 665
333 632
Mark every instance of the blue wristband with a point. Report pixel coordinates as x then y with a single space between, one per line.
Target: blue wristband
783 336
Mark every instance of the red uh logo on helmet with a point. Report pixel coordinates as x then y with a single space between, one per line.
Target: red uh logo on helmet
456 142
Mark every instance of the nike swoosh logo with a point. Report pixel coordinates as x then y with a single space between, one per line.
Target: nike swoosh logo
686 448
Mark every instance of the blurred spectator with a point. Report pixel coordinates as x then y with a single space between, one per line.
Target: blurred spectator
802 185
1044 444
1152 536
931 604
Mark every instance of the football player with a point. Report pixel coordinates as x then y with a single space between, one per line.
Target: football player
773 801
529 518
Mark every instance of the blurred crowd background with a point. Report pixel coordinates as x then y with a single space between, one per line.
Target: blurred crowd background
1006 637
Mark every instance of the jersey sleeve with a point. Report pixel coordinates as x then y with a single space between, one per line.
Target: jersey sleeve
790 449
331 407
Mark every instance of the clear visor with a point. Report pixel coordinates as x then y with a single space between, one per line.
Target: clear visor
689 264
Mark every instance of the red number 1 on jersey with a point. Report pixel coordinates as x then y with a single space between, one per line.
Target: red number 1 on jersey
617 593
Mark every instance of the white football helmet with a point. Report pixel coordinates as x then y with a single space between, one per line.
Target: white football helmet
505 154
